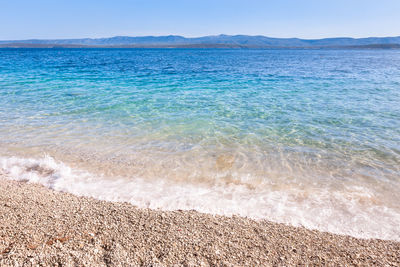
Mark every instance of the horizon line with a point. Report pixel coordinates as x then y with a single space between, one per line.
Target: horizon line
194 37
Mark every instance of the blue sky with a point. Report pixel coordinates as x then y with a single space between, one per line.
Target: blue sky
23 19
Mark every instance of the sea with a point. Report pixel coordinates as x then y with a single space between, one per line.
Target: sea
304 137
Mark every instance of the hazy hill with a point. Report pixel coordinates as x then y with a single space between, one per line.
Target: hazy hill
229 40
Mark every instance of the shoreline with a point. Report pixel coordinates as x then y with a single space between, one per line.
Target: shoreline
42 226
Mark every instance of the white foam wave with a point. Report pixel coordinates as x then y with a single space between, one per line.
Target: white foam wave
339 212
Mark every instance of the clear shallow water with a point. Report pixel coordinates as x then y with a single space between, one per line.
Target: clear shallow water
306 137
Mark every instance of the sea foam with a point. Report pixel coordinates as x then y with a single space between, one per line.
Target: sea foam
351 212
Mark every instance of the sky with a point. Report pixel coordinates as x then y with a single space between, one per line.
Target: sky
55 19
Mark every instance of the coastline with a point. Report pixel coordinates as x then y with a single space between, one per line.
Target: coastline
42 226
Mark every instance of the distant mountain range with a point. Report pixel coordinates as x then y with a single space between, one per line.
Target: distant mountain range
209 41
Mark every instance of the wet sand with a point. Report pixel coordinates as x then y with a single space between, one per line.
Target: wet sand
39 226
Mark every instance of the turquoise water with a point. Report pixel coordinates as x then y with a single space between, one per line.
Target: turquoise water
305 137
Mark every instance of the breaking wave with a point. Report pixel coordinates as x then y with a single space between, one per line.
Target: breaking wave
353 210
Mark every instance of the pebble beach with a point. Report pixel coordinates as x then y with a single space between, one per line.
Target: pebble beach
42 227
